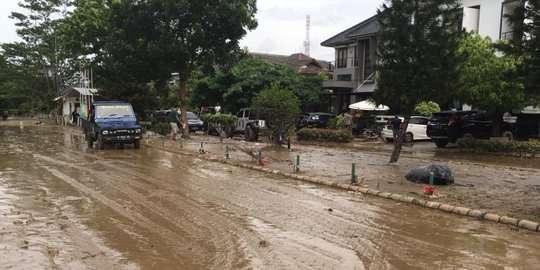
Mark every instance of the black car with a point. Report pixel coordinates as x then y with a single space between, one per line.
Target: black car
449 126
314 120
195 124
162 116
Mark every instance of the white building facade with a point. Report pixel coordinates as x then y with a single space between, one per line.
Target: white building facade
486 17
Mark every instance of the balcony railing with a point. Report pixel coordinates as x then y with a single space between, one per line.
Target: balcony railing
509 35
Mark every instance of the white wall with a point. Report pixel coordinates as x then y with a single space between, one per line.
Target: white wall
489 17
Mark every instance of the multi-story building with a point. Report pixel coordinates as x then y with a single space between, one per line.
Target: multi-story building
355 48
353 76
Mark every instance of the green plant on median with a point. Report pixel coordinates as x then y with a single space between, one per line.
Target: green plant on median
223 123
342 120
161 128
494 146
325 135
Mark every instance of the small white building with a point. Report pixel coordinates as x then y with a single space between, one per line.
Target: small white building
76 98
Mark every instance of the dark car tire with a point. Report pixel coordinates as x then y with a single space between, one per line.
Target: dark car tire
248 134
508 134
89 140
100 142
408 137
441 143
137 144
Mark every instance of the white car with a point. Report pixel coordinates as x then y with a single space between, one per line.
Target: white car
416 130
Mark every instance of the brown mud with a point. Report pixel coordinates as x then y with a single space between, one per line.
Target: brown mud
64 206
499 184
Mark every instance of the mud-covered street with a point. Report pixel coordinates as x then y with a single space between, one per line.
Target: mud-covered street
64 206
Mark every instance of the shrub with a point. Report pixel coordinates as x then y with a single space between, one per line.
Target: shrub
325 135
161 128
494 146
220 119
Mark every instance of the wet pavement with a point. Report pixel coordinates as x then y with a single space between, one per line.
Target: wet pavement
65 206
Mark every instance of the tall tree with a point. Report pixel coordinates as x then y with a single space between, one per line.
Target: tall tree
488 79
417 54
155 38
37 55
525 43
236 86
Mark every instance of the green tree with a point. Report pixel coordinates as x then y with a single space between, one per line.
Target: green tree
281 108
417 54
427 108
36 57
525 43
488 79
235 87
155 38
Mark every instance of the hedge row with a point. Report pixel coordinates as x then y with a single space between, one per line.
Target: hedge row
325 135
507 147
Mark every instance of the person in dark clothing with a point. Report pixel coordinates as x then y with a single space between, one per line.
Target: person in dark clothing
396 125
75 116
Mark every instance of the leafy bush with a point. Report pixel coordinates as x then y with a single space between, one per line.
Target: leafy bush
343 120
427 108
494 146
280 108
325 135
332 123
220 119
161 128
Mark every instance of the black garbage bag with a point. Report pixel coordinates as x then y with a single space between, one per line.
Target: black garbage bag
442 175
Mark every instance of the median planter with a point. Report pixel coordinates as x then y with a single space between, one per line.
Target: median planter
324 135
514 148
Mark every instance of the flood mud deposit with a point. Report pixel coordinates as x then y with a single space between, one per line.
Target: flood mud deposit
64 206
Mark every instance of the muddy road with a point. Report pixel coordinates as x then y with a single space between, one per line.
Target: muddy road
64 206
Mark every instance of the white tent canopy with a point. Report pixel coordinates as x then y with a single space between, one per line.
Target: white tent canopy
368 105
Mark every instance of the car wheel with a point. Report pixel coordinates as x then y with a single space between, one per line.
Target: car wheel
441 143
408 138
100 142
89 140
248 134
137 144
508 134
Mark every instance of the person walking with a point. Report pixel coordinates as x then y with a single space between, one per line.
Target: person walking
396 125
75 116
174 120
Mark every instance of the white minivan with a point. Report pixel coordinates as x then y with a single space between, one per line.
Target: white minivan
416 130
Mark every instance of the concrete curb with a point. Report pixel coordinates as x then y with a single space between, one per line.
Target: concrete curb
457 210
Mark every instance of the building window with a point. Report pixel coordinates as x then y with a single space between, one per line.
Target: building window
471 18
341 61
345 77
507 28
355 63
368 67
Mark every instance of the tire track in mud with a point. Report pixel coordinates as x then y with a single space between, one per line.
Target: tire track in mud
294 230
254 241
220 232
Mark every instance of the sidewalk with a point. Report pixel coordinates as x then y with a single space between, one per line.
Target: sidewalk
504 190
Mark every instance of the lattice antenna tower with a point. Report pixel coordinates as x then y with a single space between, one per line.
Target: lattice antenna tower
307 42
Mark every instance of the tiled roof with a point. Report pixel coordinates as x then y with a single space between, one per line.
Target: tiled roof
366 28
299 62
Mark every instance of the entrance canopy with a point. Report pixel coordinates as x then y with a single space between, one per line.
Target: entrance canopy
368 105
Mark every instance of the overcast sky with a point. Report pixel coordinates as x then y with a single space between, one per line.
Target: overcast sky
282 24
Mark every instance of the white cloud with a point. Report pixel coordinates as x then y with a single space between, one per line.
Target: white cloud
8 33
282 25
